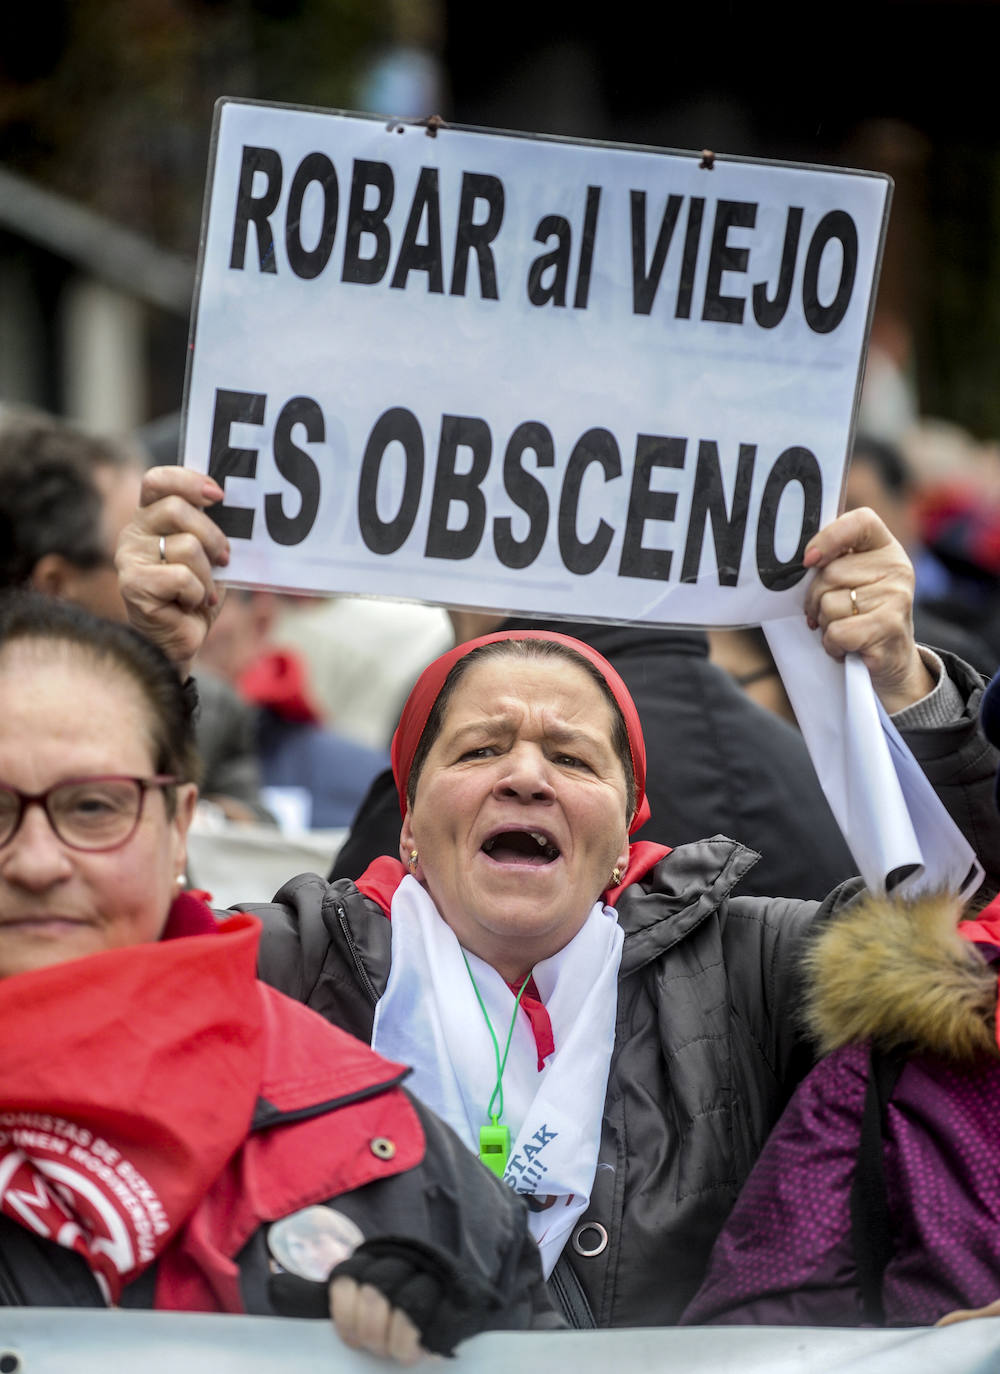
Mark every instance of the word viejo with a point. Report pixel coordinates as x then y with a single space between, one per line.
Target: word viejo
421 254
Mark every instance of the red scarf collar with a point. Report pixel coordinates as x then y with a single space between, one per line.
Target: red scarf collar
128 1079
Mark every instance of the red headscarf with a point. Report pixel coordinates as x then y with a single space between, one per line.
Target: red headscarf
420 703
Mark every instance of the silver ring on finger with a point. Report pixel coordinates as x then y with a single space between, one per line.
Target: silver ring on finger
854 602
163 548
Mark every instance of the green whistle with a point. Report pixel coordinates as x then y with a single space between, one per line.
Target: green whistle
494 1147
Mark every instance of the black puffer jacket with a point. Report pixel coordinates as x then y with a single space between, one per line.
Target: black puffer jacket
706 1054
708 1047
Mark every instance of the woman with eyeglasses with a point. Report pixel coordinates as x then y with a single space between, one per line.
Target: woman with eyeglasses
173 1133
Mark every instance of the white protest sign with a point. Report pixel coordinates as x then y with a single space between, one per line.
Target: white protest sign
525 374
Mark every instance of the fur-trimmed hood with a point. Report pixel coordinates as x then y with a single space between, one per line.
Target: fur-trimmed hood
899 973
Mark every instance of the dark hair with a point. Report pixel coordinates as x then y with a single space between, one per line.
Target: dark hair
525 649
886 461
30 617
49 499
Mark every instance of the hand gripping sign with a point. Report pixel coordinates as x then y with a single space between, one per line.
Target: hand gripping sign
523 374
552 378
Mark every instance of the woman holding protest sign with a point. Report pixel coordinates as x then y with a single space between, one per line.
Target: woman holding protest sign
609 1026
175 1134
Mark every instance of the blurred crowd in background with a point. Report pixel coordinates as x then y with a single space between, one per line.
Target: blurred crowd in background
105 120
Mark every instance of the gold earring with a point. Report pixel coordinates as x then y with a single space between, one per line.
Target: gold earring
616 876
413 861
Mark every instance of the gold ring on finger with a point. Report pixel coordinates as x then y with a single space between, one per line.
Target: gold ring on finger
854 602
163 548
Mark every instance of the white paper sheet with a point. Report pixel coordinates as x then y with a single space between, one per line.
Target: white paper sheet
896 827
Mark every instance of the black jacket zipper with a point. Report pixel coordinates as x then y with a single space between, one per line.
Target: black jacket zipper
362 972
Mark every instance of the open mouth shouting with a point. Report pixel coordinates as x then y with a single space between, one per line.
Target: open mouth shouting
532 848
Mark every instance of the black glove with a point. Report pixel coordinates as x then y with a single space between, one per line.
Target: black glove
444 1305
294 1297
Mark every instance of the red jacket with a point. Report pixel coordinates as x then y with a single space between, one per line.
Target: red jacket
211 1107
326 1099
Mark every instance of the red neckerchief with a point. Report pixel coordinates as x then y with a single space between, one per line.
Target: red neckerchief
381 878
643 856
538 1018
128 1079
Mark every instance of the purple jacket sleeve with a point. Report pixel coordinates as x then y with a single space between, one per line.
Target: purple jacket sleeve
785 1256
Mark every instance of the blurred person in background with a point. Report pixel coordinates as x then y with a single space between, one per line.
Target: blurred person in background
960 523
947 610
363 655
65 496
746 656
314 775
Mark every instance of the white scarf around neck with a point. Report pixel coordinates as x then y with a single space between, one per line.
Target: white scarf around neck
429 1017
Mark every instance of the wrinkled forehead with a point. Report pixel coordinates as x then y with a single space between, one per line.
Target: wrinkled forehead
553 691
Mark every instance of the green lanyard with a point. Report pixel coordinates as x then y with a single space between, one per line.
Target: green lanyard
494 1139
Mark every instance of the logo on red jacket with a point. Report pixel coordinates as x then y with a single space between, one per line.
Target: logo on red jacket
69 1186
